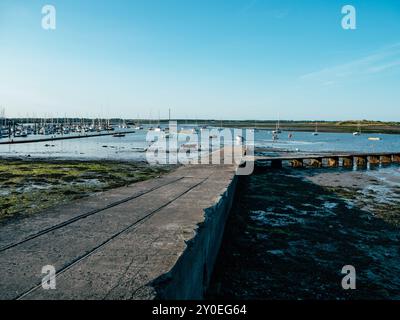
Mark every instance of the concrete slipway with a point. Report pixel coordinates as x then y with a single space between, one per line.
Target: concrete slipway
153 239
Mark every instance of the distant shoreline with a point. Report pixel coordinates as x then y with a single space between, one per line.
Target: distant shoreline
334 127
350 126
337 129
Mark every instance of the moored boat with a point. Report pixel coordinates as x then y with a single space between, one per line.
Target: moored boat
119 135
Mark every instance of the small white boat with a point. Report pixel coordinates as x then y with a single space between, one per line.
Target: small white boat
358 132
190 131
374 139
118 135
277 129
23 134
316 130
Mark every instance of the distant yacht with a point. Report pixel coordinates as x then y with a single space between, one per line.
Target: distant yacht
358 132
123 125
239 138
315 133
278 129
138 126
158 128
189 131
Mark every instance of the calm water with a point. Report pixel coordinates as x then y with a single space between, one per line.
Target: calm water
131 146
305 141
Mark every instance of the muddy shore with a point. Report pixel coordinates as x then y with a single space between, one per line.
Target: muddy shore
291 231
30 186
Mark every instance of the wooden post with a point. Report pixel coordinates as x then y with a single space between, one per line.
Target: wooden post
360 161
396 158
347 162
374 160
276 164
333 162
386 159
297 163
316 163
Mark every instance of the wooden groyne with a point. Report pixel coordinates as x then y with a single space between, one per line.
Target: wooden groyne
327 159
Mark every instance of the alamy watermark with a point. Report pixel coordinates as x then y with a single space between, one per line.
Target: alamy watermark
205 146
349 281
349 21
49 16
49 280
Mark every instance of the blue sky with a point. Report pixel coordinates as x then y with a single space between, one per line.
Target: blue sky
236 59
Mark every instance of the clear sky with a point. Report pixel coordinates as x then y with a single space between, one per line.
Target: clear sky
236 59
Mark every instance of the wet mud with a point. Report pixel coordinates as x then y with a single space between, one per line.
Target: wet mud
291 232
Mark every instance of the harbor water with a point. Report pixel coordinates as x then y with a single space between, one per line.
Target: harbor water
132 146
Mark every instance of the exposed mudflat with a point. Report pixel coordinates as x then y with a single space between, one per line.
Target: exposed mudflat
30 186
291 232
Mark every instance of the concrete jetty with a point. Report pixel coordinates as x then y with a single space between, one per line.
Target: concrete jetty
156 239
153 239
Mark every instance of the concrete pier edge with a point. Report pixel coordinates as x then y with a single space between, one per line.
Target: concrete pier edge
191 275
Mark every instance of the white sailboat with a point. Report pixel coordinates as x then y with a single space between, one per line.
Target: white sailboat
358 132
158 128
277 129
315 133
239 138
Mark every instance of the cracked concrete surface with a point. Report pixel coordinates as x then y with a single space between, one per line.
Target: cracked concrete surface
162 243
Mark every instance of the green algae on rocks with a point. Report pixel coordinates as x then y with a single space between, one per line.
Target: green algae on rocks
30 186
